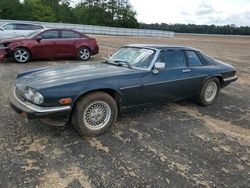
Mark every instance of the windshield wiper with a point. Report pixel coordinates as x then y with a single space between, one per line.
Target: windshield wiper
122 62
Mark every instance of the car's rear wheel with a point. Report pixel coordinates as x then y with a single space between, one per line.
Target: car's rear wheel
21 55
83 54
94 114
209 92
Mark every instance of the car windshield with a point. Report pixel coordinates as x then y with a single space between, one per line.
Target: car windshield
133 57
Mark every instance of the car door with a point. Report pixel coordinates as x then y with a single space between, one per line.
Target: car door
47 46
67 43
197 69
173 83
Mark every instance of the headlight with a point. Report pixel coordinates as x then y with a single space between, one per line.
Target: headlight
33 95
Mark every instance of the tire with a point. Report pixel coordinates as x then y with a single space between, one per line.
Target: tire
209 92
83 54
21 55
94 114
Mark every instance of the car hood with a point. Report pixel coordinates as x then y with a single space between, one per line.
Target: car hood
67 74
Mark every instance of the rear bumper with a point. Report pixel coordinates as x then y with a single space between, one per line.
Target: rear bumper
3 54
230 79
95 50
32 111
227 81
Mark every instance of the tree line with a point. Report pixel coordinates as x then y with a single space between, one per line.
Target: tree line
114 13
201 29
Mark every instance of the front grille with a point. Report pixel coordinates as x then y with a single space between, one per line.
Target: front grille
20 94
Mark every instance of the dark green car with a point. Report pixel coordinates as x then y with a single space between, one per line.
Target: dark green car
90 95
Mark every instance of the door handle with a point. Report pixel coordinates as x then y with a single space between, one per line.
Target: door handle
186 70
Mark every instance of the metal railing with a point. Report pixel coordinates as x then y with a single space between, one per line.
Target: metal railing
101 30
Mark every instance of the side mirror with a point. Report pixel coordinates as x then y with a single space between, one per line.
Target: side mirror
159 67
38 38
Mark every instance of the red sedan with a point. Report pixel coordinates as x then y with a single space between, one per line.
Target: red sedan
48 44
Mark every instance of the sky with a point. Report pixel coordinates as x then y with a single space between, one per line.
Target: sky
218 12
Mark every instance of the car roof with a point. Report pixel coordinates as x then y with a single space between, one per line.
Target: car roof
161 47
22 23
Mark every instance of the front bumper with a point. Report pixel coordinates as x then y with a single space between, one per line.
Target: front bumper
3 54
32 111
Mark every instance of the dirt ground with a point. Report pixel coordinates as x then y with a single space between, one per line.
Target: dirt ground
173 145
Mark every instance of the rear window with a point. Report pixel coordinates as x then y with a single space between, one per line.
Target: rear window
209 60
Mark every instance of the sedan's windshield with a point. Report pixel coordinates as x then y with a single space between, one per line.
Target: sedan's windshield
135 57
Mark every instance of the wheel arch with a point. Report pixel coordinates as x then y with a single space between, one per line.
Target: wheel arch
115 94
84 46
13 50
218 76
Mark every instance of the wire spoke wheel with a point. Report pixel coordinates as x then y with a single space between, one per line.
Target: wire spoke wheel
97 115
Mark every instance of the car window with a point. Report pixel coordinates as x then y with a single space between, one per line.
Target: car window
23 27
193 59
209 60
172 59
50 34
70 34
36 27
9 27
27 27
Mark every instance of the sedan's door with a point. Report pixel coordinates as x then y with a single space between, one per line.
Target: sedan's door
173 83
46 47
67 43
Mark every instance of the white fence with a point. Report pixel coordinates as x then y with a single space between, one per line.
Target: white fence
102 30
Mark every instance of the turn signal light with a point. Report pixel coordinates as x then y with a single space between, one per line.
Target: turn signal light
65 101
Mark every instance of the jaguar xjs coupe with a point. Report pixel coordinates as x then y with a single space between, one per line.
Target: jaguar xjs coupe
90 95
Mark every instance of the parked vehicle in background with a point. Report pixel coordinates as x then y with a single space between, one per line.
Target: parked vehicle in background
90 95
49 43
10 30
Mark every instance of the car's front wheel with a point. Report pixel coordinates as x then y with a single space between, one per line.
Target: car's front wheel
209 92
83 54
21 55
94 114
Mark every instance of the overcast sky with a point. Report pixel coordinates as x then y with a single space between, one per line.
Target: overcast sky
218 12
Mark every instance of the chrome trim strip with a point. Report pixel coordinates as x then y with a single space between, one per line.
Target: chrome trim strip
230 79
174 80
129 87
40 109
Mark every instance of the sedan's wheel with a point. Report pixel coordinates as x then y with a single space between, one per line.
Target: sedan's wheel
94 114
21 55
84 54
209 92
